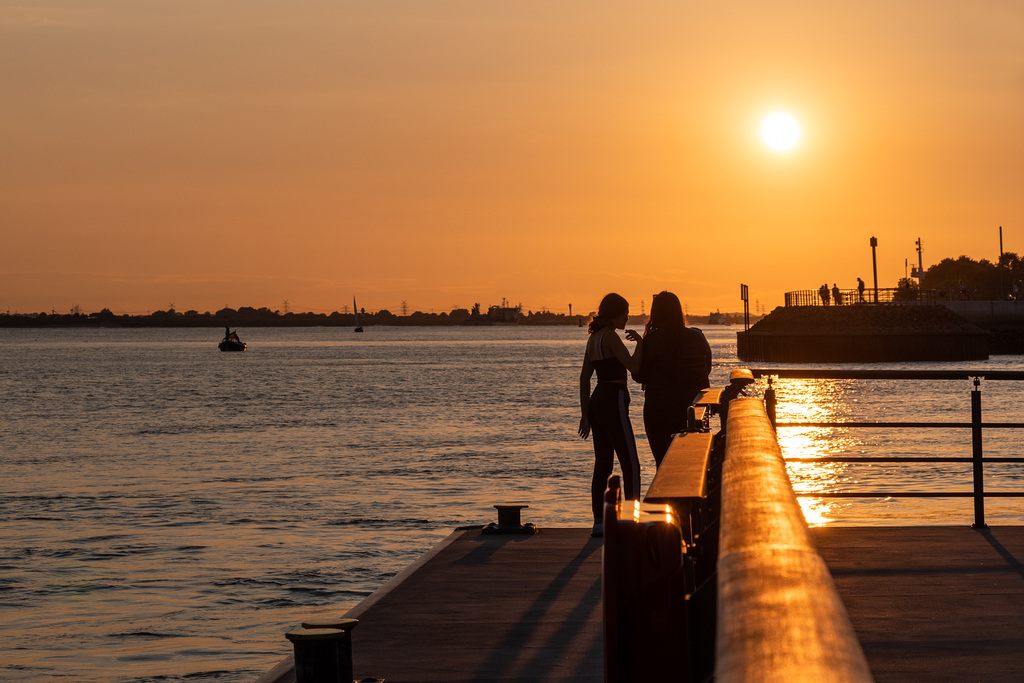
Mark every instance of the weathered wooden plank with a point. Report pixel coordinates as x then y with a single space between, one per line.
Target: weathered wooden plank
779 616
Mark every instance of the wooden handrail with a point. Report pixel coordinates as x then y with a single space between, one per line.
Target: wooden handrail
681 479
683 470
779 615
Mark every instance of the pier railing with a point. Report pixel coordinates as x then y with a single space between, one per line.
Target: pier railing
779 616
760 603
976 425
850 297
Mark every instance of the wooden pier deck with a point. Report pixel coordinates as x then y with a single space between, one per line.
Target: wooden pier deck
932 603
927 603
483 607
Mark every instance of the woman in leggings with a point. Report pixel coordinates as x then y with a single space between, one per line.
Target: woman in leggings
675 367
606 411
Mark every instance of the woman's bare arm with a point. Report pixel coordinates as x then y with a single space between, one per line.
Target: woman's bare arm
585 374
616 347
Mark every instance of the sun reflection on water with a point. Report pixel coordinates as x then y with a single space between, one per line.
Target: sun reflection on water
815 401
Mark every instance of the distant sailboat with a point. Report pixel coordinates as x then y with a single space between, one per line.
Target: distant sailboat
355 309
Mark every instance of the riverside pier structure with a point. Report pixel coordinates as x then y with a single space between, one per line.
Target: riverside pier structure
715 576
897 326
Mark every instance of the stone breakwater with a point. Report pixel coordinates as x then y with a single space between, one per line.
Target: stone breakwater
862 334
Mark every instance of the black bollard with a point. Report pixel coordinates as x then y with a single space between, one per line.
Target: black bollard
316 655
344 643
509 521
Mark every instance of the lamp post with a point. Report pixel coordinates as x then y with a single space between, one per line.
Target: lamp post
874 265
1001 295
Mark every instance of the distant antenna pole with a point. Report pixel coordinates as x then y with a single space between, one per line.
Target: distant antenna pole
642 311
570 310
286 306
405 309
874 265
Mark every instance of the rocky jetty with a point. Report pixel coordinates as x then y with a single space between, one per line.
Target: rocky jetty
862 334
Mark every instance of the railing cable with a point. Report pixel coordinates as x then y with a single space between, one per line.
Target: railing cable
976 425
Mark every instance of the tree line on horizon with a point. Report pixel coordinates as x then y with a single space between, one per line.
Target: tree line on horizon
965 278
248 316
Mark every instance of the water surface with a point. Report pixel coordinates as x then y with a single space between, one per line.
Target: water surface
169 511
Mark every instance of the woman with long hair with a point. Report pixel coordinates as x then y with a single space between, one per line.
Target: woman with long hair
675 367
605 413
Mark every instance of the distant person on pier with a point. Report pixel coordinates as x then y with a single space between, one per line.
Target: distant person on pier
836 295
823 293
860 289
606 411
675 367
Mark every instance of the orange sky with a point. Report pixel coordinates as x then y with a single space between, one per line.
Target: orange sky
225 153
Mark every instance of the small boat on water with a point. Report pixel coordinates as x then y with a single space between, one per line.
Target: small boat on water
359 328
231 342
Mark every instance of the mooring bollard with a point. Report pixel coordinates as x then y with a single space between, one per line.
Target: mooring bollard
316 655
344 644
508 521
769 402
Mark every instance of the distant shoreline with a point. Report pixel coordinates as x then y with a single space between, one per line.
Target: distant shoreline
250 317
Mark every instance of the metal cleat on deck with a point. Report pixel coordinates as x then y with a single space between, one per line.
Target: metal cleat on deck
509 521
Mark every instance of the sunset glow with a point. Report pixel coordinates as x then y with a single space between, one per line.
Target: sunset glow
444 154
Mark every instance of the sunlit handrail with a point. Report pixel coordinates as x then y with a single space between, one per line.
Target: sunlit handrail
976 426
779 615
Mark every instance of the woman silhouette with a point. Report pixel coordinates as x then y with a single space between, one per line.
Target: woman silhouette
674 368
606 411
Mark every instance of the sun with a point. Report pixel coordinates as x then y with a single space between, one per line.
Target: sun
780 131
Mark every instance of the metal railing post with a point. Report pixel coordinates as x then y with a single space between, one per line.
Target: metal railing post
979 483
977 458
